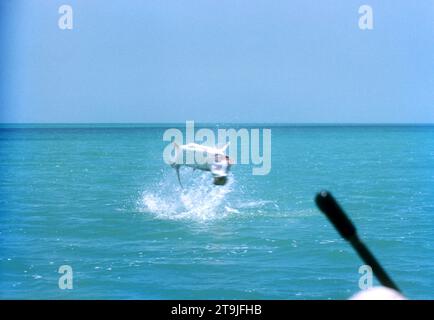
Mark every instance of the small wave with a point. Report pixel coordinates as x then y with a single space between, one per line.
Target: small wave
257 204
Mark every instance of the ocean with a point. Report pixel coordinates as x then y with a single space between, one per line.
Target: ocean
100 199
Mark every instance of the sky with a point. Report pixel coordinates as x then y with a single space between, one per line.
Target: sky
217 61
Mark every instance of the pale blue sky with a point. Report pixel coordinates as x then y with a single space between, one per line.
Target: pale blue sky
217 61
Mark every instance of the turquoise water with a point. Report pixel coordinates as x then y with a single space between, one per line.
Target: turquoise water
100 199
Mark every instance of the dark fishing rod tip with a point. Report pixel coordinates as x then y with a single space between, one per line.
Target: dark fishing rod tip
328 205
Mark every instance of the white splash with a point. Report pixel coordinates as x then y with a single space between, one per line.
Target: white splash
199 200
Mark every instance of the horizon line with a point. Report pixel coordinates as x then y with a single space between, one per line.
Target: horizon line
225 123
